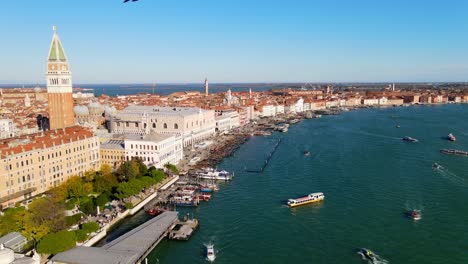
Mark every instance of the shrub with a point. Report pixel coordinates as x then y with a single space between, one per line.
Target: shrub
56 242
70 205
73 219
81 235
90 227
128 205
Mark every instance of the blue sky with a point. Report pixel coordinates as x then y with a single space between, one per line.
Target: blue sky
181 41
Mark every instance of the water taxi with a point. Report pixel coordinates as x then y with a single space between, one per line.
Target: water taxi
212 174
311 198
210 254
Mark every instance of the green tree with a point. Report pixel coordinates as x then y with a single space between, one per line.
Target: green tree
172 168
33 230
57 242
45 212
102 199
87 206
158 175
89 176
12 220
105 170
127 171
105 183
76 187
59 193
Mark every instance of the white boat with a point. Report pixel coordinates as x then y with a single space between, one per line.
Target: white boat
210 254
194 161
212 174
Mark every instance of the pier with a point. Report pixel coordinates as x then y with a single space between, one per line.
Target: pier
130 248
183 230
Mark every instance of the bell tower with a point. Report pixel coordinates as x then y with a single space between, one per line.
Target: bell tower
59 86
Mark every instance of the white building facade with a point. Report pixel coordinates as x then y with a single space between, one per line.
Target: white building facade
192 124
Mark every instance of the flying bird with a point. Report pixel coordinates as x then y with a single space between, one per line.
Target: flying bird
125 1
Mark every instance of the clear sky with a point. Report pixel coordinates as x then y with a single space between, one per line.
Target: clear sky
179 41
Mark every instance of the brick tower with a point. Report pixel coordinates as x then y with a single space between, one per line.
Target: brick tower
59 86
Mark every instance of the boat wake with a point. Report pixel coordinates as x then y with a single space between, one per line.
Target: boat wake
360 132
377 259
413 206
445 173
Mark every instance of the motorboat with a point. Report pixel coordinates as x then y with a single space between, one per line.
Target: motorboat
410 139
436 166
416 215
306 153
451 137
210 253
397 126
212 174
367 254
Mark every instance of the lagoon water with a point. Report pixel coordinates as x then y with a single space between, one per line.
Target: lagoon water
370 178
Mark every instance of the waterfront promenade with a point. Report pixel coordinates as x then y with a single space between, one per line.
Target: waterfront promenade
103 232
130 248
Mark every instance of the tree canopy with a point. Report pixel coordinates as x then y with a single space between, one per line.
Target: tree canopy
54 243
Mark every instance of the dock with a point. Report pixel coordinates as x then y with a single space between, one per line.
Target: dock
183 230
130 248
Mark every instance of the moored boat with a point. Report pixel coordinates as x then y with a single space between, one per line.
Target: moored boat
451 137
212 174
311 198
155 211
204 197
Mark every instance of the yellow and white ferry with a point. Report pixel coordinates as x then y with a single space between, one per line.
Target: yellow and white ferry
311 198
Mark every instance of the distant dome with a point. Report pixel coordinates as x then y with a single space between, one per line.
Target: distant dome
7 255
37 89
95 105
109 110
81 110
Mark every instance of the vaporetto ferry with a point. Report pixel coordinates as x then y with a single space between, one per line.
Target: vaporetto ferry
311 198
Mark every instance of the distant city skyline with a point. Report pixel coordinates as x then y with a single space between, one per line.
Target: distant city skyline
238 41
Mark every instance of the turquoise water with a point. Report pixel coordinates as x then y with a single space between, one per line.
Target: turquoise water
369 176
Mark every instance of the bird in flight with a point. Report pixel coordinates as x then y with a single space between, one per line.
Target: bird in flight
125 1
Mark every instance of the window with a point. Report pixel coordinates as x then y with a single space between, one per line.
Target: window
154 125
176 126
165 126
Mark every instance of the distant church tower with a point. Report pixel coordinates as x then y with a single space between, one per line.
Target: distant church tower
206 86
59 86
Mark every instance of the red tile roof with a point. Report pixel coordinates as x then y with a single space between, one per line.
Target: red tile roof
43 140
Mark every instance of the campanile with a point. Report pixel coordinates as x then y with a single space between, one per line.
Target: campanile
59 86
